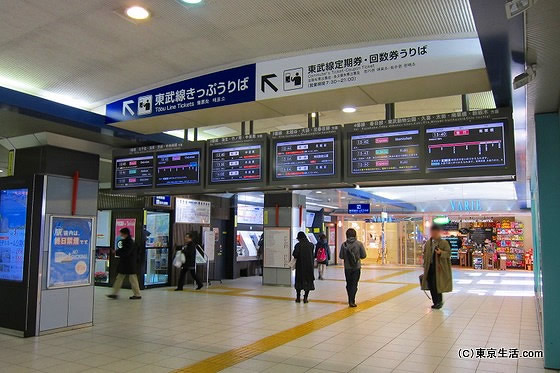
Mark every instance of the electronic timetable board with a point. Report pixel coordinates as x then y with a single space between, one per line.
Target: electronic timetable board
466 146
237 160
310 155
178 168
134 172
384 152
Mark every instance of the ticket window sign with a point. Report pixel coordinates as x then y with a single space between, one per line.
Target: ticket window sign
359 208
163 201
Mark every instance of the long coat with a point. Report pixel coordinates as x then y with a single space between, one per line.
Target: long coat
128 257
444 281
190 255
305 277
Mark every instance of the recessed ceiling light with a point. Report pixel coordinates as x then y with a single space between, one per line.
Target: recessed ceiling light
349 109
137 12
191 1
318 192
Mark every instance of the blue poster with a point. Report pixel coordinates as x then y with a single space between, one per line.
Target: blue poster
227 87
69 252
13 217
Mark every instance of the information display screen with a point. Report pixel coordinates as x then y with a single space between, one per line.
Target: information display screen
178 168
385 152
305 158
13 218
134 172
236 163
249 214
466 146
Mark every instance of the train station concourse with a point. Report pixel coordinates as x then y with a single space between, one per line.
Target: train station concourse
279 186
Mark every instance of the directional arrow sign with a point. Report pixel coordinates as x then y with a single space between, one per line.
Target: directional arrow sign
265 79
126 107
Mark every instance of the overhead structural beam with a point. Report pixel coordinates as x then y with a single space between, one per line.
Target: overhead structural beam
317 119
389 111
243 128
251 128
464 102
309 120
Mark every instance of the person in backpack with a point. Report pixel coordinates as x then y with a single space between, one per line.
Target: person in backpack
352 252
189 249
305 277
322 255
437 267
127 252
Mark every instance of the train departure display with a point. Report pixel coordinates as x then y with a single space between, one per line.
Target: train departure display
134 172
396 151
178 168
303 158
237 163
466 146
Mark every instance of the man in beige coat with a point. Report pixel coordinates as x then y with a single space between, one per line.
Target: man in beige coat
437 267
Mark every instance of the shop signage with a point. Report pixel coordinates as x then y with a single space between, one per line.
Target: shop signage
310 73
70 252
465 205
163 201
358 208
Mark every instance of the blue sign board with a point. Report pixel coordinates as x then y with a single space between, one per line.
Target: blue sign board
70 252
358 208
227 87
164 201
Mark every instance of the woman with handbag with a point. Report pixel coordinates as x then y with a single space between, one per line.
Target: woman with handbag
303 255
437 267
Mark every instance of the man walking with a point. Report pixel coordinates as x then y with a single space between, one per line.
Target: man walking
189 249
128 265
437 267
352 252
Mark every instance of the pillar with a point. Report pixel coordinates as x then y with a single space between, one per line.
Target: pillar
284 217
546 209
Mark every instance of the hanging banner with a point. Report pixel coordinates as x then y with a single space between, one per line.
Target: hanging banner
70 252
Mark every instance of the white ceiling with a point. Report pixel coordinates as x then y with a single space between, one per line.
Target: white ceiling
86 51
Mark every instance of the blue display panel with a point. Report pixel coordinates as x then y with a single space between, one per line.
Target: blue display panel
178 168
466 146
13 217
358 208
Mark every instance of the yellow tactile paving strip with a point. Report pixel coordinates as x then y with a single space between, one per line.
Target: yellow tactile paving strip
238 355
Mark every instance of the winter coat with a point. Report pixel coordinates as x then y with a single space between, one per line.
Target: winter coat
305 277
190 255
327 249
444 281
357 248
127 251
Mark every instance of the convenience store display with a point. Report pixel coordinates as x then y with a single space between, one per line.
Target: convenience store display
510 241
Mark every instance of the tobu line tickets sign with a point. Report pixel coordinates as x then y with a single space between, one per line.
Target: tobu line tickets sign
303 74
70 252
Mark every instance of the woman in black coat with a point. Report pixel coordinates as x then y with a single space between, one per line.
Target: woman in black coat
303 253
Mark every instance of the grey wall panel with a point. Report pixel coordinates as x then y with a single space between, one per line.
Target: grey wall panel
54 309
80 307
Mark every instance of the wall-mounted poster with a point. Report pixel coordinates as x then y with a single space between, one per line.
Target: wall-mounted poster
124 223
103 228
157 225
13 217
277 247
192 211
70 251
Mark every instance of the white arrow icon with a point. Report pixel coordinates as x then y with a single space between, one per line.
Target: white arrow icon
126 108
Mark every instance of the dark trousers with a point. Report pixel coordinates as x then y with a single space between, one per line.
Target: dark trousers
432 284
352 278
183 274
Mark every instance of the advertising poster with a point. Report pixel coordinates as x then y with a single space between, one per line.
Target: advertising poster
192 211
103 228
157 227
125 223
70 248
13 215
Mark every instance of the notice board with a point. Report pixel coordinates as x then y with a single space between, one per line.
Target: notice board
277 247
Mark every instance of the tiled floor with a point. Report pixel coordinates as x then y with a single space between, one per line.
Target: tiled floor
389 332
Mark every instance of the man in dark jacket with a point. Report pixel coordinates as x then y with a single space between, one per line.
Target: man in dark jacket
189 249
128 265
352 252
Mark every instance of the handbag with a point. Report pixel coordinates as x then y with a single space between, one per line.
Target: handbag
292 263
179 259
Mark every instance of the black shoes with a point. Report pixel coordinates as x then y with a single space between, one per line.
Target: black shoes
437 306
352 305
178 289
305 300
199 287
298 300
134 297
112 296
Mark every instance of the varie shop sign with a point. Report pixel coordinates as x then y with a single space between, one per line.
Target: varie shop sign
303 74
465 205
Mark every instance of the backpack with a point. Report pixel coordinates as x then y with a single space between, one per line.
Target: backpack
350 256
321 254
